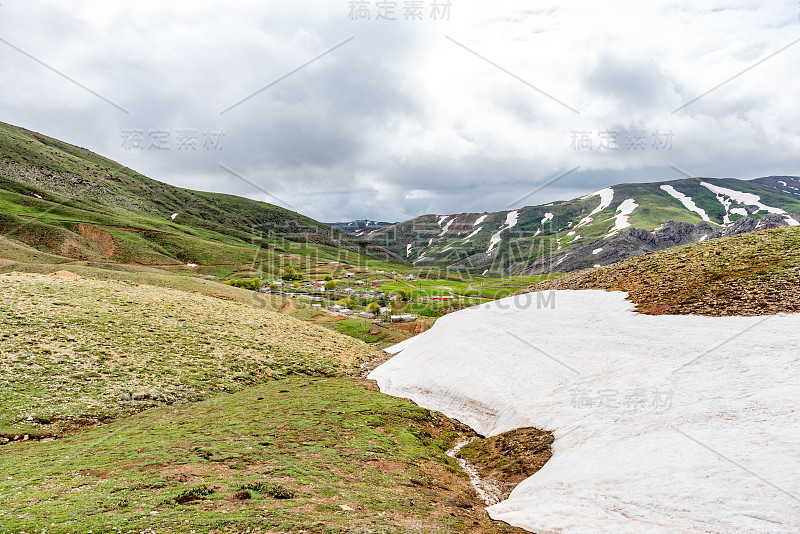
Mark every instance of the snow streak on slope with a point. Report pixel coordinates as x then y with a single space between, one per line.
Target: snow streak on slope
728 196
687 202
606 196
473 234
739 211
624 211
447 226
658 428
479 220
547 217
511 221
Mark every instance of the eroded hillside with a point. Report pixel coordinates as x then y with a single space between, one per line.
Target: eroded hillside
751 274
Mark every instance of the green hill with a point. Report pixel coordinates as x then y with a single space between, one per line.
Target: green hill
61 203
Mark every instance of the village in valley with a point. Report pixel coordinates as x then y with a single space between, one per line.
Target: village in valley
348 294
374 303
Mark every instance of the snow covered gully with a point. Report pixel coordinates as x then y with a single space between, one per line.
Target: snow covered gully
661 423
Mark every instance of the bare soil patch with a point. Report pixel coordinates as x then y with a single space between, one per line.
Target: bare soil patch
100 238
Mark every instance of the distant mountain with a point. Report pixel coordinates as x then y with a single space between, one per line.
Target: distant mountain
61 203
361 227
599 229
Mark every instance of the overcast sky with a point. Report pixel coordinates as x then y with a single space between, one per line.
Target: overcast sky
309 105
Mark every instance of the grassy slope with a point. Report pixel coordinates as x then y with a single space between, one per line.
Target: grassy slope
79 349
177 390
333 443
92 208
751 274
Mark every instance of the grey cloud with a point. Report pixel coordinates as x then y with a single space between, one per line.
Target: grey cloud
634 82
338 139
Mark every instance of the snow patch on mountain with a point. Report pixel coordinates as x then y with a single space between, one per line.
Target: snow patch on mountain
511 222
739 211
656 431
547 217
447 226
473 234
606 196
408 250
687 202
728 196
624 211
479 220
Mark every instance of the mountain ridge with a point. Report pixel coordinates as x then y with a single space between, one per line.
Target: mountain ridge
524 240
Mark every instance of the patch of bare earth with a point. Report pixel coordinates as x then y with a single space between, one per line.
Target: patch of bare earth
100 238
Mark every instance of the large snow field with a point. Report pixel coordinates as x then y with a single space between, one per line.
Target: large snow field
662 423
